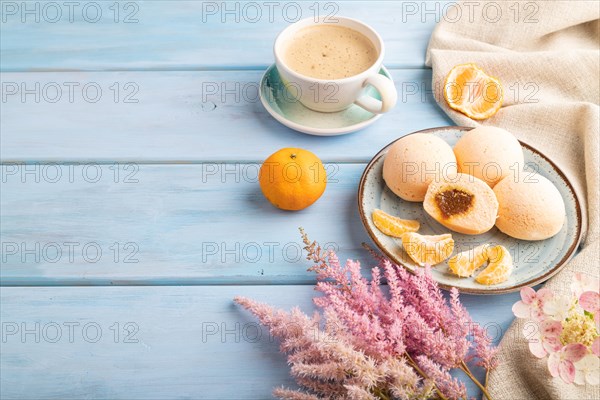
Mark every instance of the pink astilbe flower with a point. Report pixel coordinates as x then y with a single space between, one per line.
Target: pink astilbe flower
415 318
403 381
325 363
447 323
355 392
372 344
484 353
451 387
287 394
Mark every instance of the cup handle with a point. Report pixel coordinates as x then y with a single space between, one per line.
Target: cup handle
386 90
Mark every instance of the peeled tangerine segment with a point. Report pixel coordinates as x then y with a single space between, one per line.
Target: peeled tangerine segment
499 268
428 250
465 263
471 91
393 226
462 203
500 265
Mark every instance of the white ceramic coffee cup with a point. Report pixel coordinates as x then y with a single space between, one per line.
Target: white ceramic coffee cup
337 94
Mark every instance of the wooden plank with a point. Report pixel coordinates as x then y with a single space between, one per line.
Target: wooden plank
182 34
179 117
164 224
189 342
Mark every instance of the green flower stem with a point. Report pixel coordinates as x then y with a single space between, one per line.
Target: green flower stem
487 375
423 374
467 371
379 393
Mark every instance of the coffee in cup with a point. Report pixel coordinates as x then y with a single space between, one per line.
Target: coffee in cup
330 52
328 65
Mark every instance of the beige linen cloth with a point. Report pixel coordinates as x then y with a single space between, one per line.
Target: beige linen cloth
546 54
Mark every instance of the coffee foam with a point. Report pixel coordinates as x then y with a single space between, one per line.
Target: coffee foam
330 52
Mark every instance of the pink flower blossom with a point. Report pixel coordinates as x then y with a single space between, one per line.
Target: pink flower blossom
587 370
532 304
561 363
584 283
565 328
559 307
590 301
543 337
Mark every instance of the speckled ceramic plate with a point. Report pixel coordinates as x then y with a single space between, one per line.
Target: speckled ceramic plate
285 108
535 261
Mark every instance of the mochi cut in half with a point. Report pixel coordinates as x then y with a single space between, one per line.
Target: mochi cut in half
462 203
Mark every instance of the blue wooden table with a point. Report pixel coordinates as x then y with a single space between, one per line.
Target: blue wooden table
131 134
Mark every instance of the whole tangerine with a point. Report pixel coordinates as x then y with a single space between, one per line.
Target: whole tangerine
292 178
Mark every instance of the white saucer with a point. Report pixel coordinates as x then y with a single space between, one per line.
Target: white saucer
282 105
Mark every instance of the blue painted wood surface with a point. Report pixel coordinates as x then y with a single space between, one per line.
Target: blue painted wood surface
160 171
178 224
186 116
187 34
155 342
